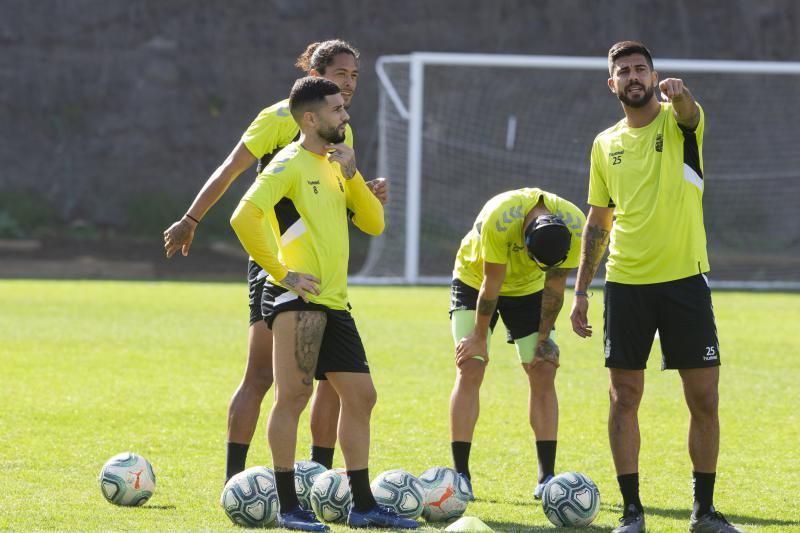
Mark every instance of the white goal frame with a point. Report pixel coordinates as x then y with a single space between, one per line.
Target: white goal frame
413 113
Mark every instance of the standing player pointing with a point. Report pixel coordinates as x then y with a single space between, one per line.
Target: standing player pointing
646 192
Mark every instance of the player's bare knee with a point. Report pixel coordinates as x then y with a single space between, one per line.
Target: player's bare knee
705 405
293 401
625 397
258 383
470 373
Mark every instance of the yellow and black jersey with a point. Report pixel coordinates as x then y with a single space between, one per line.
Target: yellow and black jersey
306 201
653 177
497 237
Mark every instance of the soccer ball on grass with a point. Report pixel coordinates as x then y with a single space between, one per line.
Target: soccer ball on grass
250 498
305 474
330 496
445 494
127 479
571 500
399 491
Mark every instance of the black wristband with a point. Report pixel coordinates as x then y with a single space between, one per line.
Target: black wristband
581 293
190 217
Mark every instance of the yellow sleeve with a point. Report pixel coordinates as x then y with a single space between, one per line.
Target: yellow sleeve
598 188
248 221
367 209
273 128
249 225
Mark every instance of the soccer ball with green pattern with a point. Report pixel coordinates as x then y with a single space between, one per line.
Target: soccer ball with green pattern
330 496
571 500
250 498
399 491
127 479
305 474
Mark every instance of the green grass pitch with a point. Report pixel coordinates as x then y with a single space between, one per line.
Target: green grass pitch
91 369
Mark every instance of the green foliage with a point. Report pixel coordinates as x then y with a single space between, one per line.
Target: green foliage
9 227
150 367
26 212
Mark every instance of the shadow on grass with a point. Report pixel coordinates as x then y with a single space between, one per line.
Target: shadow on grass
676 514
159 507
527 528
683 514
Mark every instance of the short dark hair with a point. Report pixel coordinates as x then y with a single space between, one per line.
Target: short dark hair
308 93
627 48
548 240
318 56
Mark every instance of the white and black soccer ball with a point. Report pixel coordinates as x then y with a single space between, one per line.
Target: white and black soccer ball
330 496
445 494
250 498
305 474
400 491
571 499
127 479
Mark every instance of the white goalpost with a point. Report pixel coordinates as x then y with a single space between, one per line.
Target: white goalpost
455 129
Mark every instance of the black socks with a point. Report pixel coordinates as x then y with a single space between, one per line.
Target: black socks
236 459
461 457
323 456
546 454
363 500
629 487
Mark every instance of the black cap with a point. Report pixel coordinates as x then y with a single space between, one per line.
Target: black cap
548 239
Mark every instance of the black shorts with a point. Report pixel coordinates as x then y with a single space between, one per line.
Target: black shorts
256 276
341 349
681 312
520 314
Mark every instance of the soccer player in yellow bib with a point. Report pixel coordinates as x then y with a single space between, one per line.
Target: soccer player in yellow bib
512 264
646 193
272 130
306 258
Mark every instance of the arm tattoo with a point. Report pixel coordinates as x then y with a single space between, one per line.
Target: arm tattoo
291 280
349 169
486 307
595 241
309 330
552 299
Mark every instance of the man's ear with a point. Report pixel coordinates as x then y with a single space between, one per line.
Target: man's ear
310 118
611 85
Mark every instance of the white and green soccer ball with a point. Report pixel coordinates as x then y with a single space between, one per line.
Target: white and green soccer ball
445 494
400 491
305 474
571 500
330 496
127 479
250 498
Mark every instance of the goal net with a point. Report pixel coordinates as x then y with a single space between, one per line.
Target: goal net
456 129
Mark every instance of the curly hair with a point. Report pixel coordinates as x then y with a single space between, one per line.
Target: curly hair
317 56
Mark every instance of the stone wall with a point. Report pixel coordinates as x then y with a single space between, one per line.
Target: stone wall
115 112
